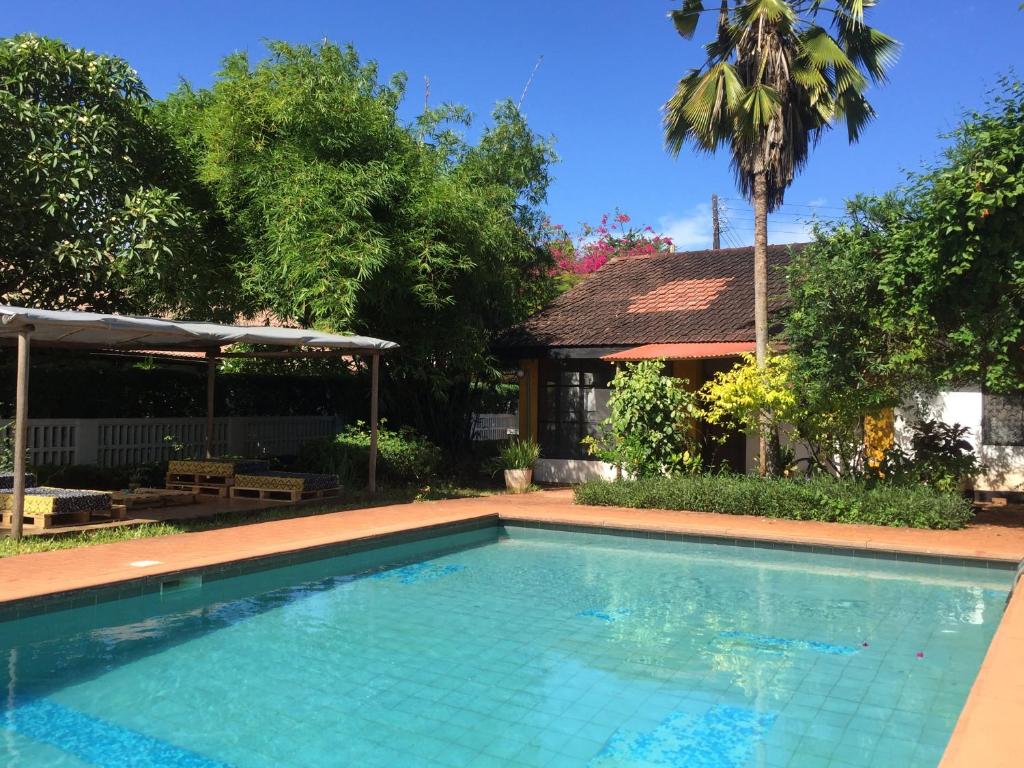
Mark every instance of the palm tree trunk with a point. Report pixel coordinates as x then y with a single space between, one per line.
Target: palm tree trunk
761 298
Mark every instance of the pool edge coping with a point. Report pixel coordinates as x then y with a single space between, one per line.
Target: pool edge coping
974 741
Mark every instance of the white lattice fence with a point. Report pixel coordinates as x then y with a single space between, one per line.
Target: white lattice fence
125 442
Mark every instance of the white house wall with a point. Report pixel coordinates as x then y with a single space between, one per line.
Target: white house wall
571 471
1004 465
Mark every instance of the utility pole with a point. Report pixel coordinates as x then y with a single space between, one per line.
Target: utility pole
716 230
426 93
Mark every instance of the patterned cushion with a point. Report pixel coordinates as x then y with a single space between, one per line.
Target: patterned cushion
215 467
7 480
287 481
58 501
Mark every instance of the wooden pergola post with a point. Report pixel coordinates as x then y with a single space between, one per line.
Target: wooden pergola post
374 392
20 434
211 375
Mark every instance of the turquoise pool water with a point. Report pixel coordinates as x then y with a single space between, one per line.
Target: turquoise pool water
517 647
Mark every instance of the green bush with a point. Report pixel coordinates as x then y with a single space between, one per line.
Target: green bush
403 456
92 477
649 431
820 498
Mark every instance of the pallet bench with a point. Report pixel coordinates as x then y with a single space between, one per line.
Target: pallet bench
280 494
48 520
209 472
146 498
284 486
54 507
199 491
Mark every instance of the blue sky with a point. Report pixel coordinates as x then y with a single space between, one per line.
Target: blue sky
607 68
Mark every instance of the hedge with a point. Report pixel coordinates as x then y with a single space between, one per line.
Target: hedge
824 499
403 456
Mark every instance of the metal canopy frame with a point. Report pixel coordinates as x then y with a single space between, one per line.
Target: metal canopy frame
93 331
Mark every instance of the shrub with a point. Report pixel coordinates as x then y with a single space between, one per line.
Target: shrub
92 477
939 455
651 429
819 498
403 456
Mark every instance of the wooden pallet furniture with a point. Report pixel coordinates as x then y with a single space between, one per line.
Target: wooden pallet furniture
200 492
284 486
208 473
208 477
146 498
53 507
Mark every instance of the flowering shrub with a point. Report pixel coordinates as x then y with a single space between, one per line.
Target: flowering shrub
595 246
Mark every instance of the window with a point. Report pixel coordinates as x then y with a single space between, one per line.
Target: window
1002 419
573 403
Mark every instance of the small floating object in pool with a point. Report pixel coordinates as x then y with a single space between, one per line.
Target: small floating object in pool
864 644
920 654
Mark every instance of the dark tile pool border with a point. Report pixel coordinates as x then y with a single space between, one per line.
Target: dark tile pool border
151 584
788 546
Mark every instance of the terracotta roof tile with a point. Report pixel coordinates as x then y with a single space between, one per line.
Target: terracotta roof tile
693 296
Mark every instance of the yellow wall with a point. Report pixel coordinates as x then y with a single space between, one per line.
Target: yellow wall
529 381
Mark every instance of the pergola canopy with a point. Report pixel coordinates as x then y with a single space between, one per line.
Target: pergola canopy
91 329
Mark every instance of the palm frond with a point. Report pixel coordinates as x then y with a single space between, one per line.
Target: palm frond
702 108
685 19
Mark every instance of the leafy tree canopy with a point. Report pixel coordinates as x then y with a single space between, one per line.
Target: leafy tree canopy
96 207
356 222
923 287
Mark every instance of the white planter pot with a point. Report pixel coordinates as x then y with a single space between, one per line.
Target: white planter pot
518 480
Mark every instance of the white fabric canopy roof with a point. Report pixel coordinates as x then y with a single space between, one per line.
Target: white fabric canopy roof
123 332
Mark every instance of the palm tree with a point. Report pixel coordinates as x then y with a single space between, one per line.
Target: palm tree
774 80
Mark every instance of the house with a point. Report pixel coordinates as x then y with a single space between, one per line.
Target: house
695 311
692 309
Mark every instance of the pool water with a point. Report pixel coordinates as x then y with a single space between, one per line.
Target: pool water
512 647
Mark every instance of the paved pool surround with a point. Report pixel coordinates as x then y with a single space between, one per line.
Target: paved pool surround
986 732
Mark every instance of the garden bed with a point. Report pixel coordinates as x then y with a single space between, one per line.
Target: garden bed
822 499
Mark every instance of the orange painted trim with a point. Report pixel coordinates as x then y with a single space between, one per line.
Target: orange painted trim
529 398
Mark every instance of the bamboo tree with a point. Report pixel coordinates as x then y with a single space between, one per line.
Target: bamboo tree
778 73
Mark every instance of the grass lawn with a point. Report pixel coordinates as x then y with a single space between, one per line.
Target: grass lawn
384 496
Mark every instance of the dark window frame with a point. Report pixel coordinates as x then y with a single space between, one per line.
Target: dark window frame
1002 419
555 395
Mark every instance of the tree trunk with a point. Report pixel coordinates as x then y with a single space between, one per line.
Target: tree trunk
761 299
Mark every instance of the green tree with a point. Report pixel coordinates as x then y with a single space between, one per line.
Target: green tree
97 209
923 287
356 222
774 80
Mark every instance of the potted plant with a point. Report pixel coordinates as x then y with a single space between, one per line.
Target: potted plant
517 459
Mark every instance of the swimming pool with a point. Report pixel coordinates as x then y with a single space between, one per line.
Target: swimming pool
512 646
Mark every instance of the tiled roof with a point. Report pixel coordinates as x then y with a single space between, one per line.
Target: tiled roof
693 296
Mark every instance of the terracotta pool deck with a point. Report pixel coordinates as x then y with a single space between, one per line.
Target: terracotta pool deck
987 734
